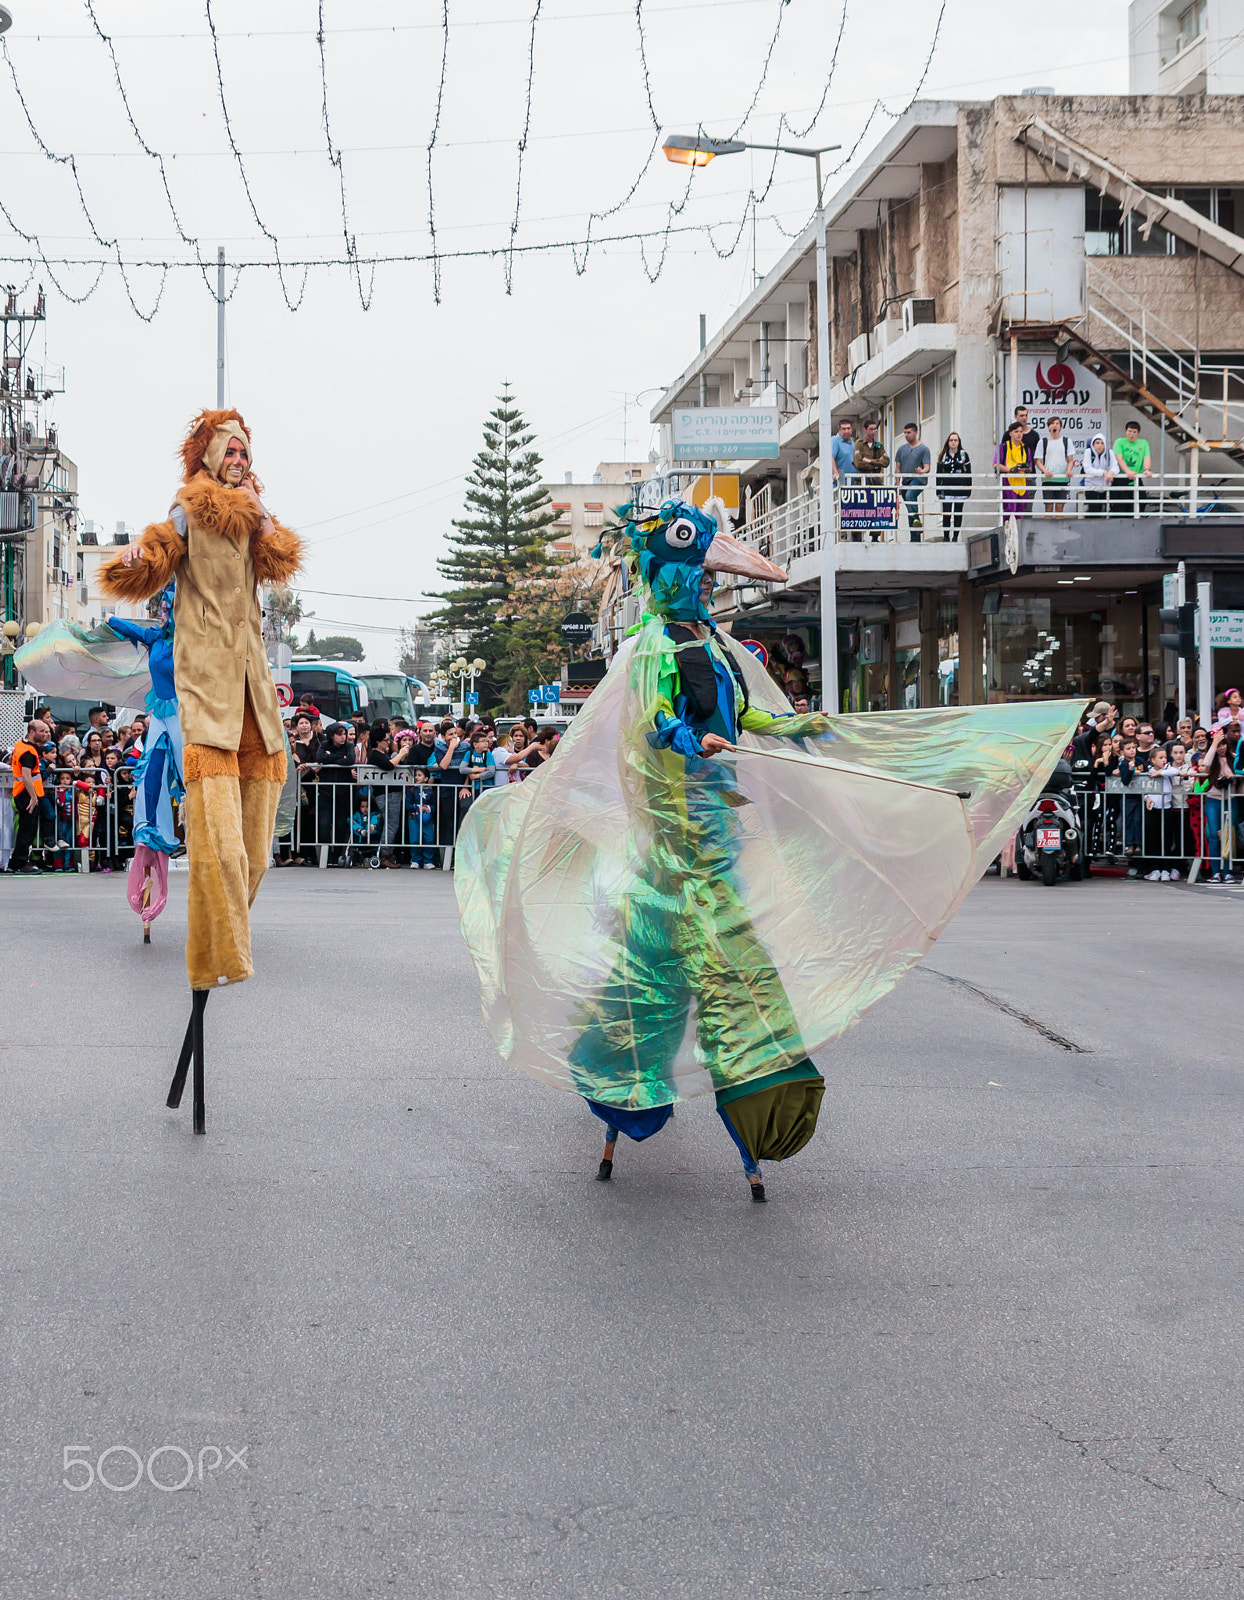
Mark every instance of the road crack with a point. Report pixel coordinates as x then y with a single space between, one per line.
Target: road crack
1008 1010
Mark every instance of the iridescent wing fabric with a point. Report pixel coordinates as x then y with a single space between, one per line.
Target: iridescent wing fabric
67 661
623 905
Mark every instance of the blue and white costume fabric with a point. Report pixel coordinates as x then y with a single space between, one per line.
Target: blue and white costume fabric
158 776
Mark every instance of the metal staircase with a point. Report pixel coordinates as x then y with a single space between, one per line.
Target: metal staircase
1056 150
1153 367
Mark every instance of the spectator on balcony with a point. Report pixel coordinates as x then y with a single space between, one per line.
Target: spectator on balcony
914 462
871 459
1100 469
1013 460
1031 436
1055 459
953 484
842 453
1135 464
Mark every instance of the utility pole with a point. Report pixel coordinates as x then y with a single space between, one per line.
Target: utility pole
830 700
220 327
1205 658
1182 668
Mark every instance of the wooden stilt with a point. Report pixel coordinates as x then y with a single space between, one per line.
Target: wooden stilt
605 1171
146 903
191 1049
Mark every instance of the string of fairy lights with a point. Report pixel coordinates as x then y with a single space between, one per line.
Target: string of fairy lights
723 236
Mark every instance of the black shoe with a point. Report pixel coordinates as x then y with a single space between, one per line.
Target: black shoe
604 1172
28 871
758 1192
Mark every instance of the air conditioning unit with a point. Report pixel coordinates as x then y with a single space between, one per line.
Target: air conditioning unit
885 334
858 352
918 311
83 594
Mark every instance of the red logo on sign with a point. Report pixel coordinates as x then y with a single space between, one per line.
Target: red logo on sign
1057 380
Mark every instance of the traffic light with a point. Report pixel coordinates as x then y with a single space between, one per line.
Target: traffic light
1183 643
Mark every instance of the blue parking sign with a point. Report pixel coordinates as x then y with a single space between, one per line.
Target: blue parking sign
472 698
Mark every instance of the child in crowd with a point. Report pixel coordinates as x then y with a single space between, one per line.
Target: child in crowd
63 798
365 824
1132 810
421 819
1160 841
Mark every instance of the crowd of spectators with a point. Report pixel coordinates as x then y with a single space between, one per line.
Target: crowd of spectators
1112 477
366 820
87 784
1191 807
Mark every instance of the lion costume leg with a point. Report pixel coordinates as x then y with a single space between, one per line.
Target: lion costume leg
231 801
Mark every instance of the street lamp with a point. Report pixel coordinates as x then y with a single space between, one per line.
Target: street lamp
698 151
467 669
6 19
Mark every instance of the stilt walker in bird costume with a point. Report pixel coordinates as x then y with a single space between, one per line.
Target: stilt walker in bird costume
702 889
220 543
157 778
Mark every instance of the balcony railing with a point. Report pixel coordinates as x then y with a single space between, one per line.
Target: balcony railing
787 532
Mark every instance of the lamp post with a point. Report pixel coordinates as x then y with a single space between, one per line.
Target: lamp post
6 19
466 670
698 151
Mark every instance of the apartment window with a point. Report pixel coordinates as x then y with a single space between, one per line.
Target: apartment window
1190 24
1108 233
593 519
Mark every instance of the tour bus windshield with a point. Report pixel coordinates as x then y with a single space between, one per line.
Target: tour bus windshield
388 695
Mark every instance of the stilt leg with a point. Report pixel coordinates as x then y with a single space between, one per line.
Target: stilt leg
146 933
605 1171
146 903
183 1066
757 1183
196 1018
191 1047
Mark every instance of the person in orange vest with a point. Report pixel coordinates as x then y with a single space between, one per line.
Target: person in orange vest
27 793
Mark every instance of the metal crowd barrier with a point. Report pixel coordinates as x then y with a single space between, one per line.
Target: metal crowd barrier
377 815
372 816
108 831
1128 825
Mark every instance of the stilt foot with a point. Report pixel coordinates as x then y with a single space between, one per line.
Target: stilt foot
191 1050
758 1192
604 1172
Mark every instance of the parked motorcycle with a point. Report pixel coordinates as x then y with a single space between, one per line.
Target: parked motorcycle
1049 841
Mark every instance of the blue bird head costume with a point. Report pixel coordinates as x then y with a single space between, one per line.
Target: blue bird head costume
669 551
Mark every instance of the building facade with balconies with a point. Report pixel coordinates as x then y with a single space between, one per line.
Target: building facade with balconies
1079 256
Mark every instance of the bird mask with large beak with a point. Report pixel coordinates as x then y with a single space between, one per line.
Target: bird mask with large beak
674 551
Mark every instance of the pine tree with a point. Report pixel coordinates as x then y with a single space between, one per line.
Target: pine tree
498 552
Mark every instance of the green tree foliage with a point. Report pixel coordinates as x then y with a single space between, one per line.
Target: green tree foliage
498 552
338 647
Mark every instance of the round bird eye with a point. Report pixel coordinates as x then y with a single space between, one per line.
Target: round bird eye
681 533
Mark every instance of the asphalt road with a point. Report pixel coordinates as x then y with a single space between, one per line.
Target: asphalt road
985 1338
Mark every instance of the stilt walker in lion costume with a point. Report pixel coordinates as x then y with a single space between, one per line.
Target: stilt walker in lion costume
220 543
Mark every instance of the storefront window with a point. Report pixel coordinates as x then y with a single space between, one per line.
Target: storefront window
1042 646
948 650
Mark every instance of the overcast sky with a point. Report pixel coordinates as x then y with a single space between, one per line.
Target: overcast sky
365 422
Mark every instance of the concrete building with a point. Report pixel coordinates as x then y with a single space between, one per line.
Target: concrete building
1080 256
94 548
50 564
1186 46
583 508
